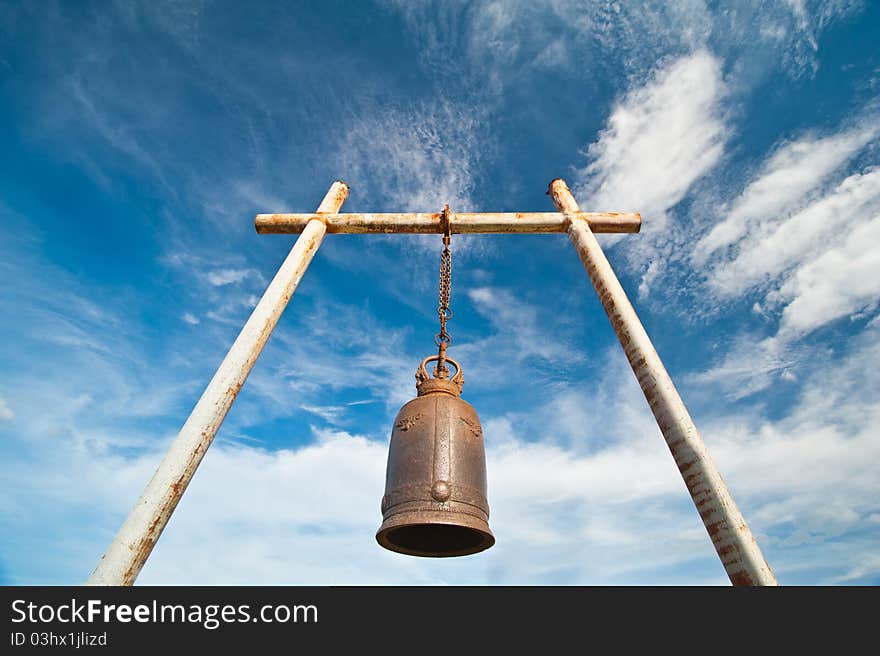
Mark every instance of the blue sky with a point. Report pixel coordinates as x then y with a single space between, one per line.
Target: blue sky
140 139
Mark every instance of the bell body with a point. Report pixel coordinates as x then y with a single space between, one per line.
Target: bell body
435 488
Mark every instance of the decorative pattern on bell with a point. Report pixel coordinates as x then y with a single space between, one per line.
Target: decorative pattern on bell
435 486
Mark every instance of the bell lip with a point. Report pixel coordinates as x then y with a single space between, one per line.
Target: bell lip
435 517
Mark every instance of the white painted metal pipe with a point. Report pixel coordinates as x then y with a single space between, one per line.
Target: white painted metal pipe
738 550
135 540
460 223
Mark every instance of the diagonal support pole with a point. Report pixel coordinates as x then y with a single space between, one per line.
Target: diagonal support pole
135 540
728 530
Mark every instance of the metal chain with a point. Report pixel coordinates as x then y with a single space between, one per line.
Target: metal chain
443 338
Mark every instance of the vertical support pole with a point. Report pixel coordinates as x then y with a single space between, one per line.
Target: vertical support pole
138 535
737 549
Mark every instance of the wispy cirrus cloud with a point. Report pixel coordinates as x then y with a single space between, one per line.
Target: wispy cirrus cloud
842 281
501 42
220 277
773 249
517 337
659 140
415 158
750 364
789 177
796 244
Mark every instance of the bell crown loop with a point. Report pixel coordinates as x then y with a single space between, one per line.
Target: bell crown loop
427 385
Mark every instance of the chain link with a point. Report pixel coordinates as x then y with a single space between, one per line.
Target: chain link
443 338
443 310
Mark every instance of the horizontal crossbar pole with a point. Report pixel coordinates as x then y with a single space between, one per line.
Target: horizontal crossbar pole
429 223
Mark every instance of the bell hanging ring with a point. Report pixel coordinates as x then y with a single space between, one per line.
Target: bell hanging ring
435 485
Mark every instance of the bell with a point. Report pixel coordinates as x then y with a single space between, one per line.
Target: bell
435 484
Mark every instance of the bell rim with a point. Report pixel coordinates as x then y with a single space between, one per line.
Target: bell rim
433 517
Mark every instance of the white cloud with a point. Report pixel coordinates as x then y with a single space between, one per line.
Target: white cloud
634 34
415 159
553 56
764 254
815 267
329 413
842 281
801 25
93 116
787 178
501 42
750 365
335 415
813 469
660 139
316 361
220 277
6 413
800 236
517 321
786 473
190 318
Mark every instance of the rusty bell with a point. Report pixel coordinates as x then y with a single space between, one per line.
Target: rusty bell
435 484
